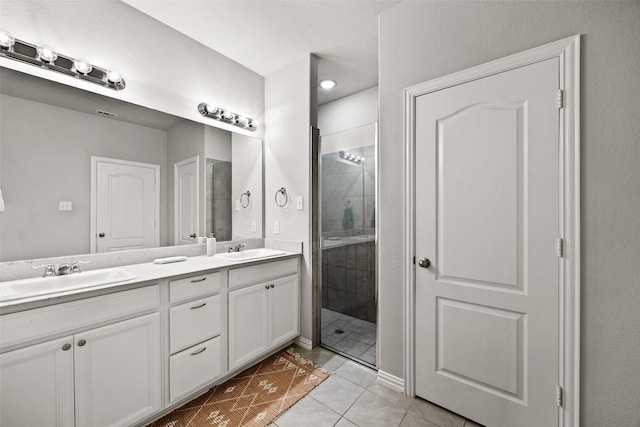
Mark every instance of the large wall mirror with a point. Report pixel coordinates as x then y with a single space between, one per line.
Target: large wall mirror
83 173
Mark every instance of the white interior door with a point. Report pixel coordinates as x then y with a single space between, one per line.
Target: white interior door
187 207
127 205
487 217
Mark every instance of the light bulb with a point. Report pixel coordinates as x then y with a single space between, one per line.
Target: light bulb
47 54
327 84
227 115
6 39
82 66
113 76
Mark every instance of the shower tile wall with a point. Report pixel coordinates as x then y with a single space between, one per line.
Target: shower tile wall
348 280
219 199
348 271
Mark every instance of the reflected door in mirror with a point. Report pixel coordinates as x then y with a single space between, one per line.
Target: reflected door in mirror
127 205
187 207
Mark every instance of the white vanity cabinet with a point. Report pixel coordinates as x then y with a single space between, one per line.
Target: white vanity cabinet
195 328
262 315
106 375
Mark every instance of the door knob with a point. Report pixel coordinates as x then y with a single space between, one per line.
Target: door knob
424 263
101 235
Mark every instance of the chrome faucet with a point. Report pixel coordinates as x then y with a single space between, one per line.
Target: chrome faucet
75 266
234 248
49 269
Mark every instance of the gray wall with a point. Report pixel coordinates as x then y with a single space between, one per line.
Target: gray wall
46 158
423 40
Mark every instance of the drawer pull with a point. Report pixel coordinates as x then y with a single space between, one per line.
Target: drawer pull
198 306
66 347
82 343
199 280
199 351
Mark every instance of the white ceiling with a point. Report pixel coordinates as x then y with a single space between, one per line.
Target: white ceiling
267 35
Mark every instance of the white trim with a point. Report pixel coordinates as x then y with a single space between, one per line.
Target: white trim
391 381
568 52
94 208
176 165
304 343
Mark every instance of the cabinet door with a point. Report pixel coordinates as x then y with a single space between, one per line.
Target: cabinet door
36 385
247 324
118 372
284 322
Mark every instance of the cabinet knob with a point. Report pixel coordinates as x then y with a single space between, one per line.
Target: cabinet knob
266 287
66 347
81 343
101 235
272 286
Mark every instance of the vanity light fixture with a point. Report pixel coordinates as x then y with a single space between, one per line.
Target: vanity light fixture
327 84
46 57
227 116
345 155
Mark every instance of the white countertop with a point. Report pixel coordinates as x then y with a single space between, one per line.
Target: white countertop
145 272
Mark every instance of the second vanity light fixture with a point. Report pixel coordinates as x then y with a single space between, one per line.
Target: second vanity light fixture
46 57
227 116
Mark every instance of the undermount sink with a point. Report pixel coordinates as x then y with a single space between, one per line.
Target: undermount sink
25 288
249 254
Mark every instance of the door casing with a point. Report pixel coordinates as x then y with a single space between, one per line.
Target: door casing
568 52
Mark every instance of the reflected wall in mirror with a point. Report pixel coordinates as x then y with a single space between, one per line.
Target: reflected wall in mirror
49 134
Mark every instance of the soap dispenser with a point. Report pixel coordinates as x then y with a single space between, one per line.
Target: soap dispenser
211 245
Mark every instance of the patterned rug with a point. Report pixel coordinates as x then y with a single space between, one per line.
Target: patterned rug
254 397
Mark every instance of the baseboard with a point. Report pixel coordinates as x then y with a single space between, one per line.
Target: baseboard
391 381
304 343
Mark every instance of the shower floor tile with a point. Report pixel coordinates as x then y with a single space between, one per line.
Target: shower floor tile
357 338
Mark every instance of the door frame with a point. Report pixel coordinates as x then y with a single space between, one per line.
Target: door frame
568 52
94 195
176 165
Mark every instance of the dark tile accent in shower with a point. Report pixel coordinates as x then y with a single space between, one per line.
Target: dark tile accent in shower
348 280
219 203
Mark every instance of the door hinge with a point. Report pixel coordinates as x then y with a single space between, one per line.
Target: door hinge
560 247
560 98
559 395
414 259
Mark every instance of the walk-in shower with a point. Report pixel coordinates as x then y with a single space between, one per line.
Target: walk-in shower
348 183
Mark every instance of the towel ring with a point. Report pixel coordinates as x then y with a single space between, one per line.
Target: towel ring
246 196
282 191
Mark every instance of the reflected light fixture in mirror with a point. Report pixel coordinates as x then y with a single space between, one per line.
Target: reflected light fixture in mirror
227 116
46 57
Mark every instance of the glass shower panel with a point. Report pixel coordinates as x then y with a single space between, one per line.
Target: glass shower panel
348 243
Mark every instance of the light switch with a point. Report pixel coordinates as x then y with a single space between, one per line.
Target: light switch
254 226
299 203
65 206
276 227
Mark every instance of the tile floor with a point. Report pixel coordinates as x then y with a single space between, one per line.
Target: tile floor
352 396
357 340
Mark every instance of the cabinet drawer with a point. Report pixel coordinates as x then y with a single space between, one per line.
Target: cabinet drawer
194 322
194 286
43 322
262 272
194 368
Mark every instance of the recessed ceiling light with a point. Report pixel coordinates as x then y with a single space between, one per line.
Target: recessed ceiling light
327 84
